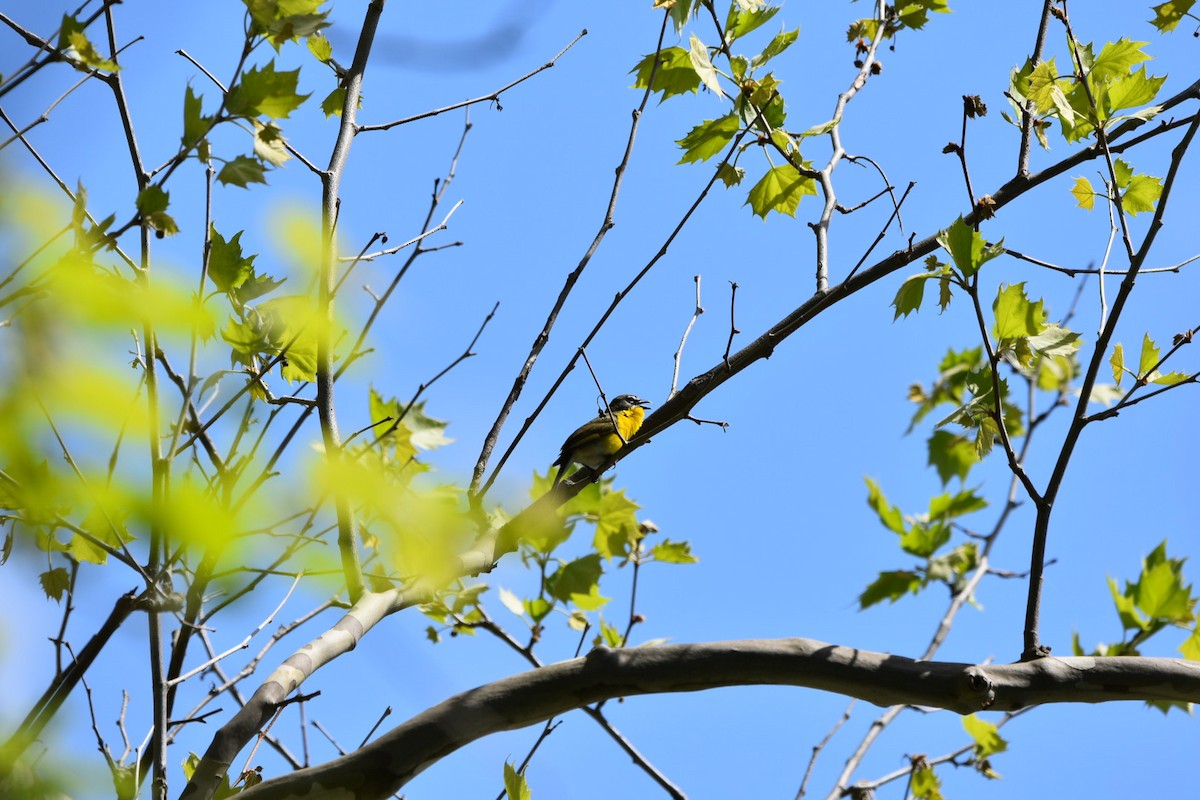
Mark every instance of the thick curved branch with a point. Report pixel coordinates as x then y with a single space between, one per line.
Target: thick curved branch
384 766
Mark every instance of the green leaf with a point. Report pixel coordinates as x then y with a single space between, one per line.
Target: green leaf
740 22
668 552
1118 363
781 41
514 784
780 190
698 54
675 73
910 294
1142 194
320 47
1016 317
512 602
988 740
923 541
263 91
1170 14
1134 90
888 514
708 138
1149 358
1159 591
947 507
1116 59
616 525
925 784
951 455
1046 93
195 125
255 287
1055 340
227 267
152 205
968 248
578 577
55 583
1085 195
1191 645
1131 619
269 144
242 171
730 175
1171 379
73 40
538 608
890 586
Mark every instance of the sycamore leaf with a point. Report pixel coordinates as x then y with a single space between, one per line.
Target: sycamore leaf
780 190
1117 361
781 41
227 267
888 514
951 455
1016 317
698 54
1085 195
269 144
514 784
967 247
1141 194
242 171
1054 340
578 577
889 586
1116 59
1170 14
926 785
320 47
988 740
674 75
72 39
668 552
1131 91
55 583
152 205
708 138
910 294
263 91
740 22
195 125
1149 358
730 175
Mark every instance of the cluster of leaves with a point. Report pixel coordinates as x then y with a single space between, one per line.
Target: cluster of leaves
924 536
924 784
903 16
1021 337
256 100
1090 95
569 585
758 111
1157 600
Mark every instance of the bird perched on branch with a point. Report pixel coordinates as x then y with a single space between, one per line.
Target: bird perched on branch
594 442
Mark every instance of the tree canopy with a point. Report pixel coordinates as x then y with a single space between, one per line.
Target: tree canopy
299 302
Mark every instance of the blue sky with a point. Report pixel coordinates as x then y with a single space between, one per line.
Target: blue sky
774 506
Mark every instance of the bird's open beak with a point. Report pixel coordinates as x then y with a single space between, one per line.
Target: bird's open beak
643 403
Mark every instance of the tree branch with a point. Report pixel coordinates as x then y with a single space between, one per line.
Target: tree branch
388 763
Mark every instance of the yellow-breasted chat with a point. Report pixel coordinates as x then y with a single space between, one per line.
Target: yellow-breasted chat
591 444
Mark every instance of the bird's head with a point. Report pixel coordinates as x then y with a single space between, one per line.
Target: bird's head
624 402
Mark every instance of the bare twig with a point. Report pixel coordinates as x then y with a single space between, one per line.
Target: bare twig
686 332
493 97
